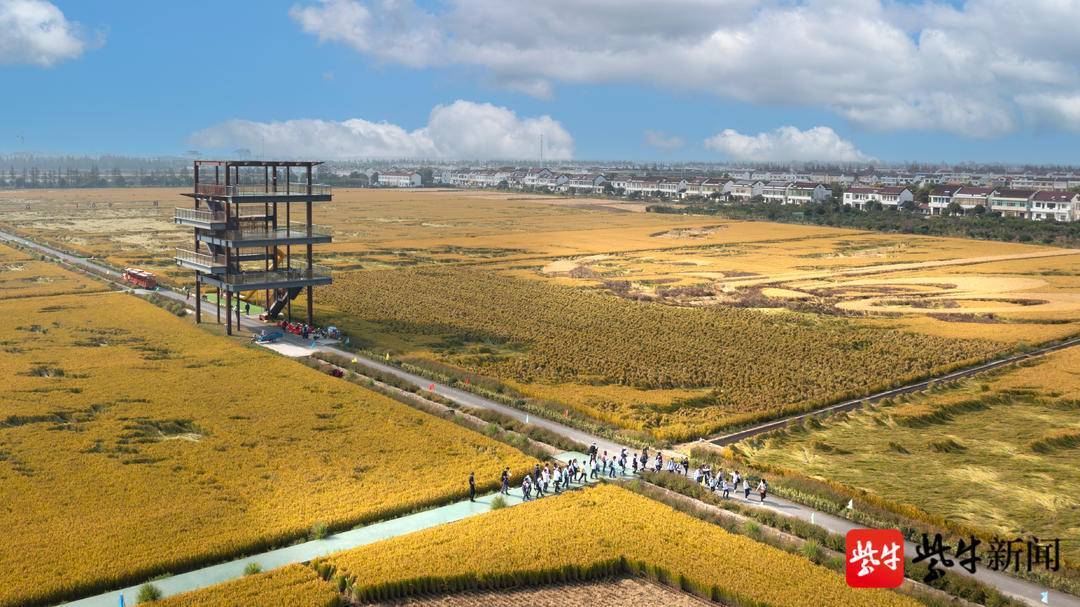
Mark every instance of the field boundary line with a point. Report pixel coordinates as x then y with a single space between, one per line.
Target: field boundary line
721 440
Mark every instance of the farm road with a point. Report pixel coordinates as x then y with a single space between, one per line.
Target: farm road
1022 590
306 551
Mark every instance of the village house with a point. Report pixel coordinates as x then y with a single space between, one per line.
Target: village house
706 187
745 189
802 192
1011 202
399 179
969 197
940 197
775 192
889 196
587 183
672 188
1055 205
643 186
533 177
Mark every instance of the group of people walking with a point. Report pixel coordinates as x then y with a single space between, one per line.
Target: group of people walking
726 484
556 478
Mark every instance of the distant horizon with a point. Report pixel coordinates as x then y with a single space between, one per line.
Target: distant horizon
7 158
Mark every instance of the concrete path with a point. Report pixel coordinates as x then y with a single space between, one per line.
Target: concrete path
1027 592
1017 588
306 551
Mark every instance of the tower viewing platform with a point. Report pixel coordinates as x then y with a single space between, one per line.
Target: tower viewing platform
250 243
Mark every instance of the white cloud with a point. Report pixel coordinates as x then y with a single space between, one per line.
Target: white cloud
883 65
1062 111
462 129
786 143
36 32
663 141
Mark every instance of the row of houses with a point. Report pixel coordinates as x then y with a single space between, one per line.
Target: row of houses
530 178
1024 203
1027 203
785 192
1038 205
586 178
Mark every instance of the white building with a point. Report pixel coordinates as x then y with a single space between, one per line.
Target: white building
802 192
396 179
1055 205
535 177
940 198
704 188
969 197
775 192
643 186
588 183
1039 182
672 188
1011 202
889 196
551 180
745 189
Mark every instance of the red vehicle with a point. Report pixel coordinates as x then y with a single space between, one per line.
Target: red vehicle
140 278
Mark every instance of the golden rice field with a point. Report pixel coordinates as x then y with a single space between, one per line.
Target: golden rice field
601 524
23 276
292 586
132 443
940 286
744 364
997 454
675 384
575 531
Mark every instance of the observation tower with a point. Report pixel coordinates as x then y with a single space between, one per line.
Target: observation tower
250 242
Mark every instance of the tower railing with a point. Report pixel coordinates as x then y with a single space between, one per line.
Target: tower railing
202 259
291 189
203 215
299 270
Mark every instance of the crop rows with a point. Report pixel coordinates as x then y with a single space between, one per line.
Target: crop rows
293 585
586 534
133 444
749 362
23 276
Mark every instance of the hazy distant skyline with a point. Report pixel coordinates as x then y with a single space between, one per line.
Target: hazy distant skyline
710 80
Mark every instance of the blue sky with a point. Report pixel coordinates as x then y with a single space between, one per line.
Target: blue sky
150 75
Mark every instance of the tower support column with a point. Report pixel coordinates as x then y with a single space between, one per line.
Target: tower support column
198 299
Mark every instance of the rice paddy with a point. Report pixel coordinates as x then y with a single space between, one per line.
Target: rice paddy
954 292
133 444
996 454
